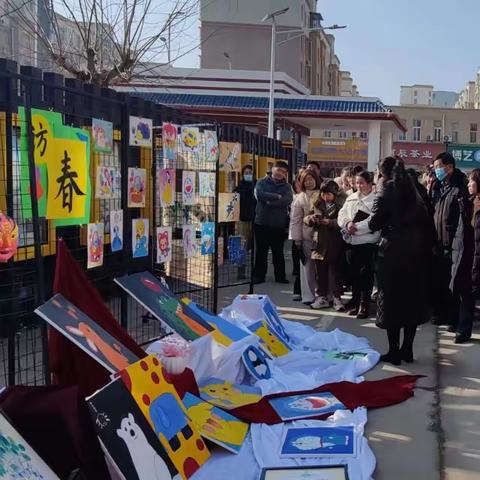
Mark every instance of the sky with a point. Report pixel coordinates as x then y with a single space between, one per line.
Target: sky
388 43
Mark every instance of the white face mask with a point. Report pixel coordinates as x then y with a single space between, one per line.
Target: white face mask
248 177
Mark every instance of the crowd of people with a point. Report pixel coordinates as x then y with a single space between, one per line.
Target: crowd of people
415 237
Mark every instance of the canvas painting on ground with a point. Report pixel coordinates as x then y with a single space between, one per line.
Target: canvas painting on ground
102 136
170 141
95 233
211 146
228 395
126 435
164 244
140 132
137 184
206 182
116 230
189 241
140 234
256 363
304 406
270 340
274 320
188 187
159 402
230 157
166 186
228 207
108 183
208 238
86 334
216 425
320 472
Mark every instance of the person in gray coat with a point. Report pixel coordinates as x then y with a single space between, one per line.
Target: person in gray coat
274 195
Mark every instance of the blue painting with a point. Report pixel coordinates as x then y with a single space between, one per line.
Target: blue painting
236 254
208 238
318 442
256 363
275 321
304 406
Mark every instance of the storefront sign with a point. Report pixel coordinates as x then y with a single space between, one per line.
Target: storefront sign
413 153
467 157
351 150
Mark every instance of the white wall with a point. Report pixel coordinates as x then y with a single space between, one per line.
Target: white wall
424 95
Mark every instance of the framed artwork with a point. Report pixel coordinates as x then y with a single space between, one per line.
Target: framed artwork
140 132
188 187
270 340
166 186
206 181
211 146
8 237
95 234
102 136
228 395
208 238
320 472
228 207
190 140
216 425
137 184
126 435
116 230
17 458
230 157
160 404
86 334
140 236
335 355
189 240
108 183
164 244
318 442
303 406
170 141
256 363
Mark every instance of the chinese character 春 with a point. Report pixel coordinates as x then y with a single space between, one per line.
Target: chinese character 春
467 156
68 186
427 154
457 155
40 139
402 154
415 153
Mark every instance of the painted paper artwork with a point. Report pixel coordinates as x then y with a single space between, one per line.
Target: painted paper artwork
335 355
211 146
170 141
216 425
206 182
127 436
304 406
189 241
228 207
116 230
230 157
140 235
256 363
102 136
140 132
166 186
86 334
95 245
275 321
108 183
190 138
18 460
236 254
318 442
270 340
8 237
164 244
188 187
162 304
137 184
159 402
208 238
228 395
319 472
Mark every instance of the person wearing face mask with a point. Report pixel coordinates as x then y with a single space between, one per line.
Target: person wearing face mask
274 195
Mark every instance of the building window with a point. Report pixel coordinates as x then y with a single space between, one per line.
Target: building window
454 137
415 101
473 132
354 134
437 130
363 135
415 93
430 93
402 137
342 134
417 130
327 134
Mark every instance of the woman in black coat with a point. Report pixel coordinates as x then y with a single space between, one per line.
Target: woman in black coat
401 216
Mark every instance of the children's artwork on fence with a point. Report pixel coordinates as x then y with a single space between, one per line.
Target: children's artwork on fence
108 183
116 230
208 238
190 140
102 136
216 425
230 157
86 334
211 146
228 395
140 234
140 132
188 187
95 245
228 207
236 254
170 141
303 406
18 460
270 340
137 182
126 435
256 363
318 442
8 237
166 186
189 240
160 404
164 244
335 355
221 250
206 182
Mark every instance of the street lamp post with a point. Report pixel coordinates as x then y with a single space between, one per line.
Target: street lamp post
169 33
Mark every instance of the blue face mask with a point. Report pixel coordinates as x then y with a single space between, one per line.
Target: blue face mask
440 173
248 177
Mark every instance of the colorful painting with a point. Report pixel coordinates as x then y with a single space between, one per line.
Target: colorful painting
140 234
163 305
216 425
166 186
318 442
170 141
275 321
18 460
208 238
236 254
335 355
137 184
304 406
108 183
190 138
256 363
228 207
319 472
211 146
86 334
95 245
228 395
127 436
140 132
116 230
230 157
102 136
206 181
189 241
188 188
159 402
270 340
164 244
8 237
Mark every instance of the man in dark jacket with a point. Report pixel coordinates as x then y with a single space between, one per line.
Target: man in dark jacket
274 195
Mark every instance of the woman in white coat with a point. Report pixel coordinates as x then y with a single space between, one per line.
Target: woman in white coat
361 242
302 234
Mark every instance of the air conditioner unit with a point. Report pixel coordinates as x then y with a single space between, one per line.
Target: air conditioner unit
447 139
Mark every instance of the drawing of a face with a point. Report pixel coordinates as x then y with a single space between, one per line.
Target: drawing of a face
188 186
169 135
310 403
163 243
309 443
8 237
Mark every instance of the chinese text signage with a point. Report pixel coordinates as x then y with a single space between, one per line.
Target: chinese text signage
467 157
417 153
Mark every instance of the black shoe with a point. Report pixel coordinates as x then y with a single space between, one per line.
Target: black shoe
363 311
282 280
462 338
392 357
452 329
351 304
353 312
257 281
406 355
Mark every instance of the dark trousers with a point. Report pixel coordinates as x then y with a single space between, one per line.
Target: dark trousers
266 238
329 278
361 261
393 335
297 289
445 306
463 305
